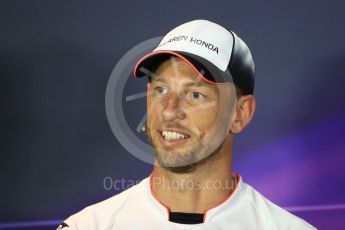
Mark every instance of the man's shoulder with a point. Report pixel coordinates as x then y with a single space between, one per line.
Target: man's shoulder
103 212
272 214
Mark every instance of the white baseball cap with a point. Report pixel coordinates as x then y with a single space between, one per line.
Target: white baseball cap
218 55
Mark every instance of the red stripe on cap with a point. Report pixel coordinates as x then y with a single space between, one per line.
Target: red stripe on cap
177 55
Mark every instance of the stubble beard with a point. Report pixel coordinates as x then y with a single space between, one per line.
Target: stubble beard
188 160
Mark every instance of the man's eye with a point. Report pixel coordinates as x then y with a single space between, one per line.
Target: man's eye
161 90
197 95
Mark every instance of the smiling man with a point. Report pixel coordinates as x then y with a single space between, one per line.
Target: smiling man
199 95
187 120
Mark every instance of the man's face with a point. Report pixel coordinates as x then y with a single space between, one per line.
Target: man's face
188 118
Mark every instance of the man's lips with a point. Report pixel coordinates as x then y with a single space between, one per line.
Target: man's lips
167 142
176 130
172 141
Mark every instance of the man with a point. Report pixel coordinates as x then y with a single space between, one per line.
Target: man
199 95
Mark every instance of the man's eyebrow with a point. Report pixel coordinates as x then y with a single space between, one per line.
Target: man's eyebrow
158 78
197 83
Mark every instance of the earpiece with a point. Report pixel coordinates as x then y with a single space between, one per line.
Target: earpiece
144 128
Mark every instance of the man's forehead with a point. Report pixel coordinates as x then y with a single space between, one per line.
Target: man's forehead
190 82
166 78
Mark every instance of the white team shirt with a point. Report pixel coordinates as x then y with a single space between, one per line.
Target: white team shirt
137 208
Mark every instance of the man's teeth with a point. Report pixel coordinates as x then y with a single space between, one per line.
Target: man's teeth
173 135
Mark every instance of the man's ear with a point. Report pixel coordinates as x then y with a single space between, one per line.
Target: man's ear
243 113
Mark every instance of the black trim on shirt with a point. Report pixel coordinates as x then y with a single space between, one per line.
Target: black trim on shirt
186 218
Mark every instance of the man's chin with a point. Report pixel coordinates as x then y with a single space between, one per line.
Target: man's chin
182 164
185 163
175 163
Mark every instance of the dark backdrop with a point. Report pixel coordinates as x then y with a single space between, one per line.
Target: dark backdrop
57 147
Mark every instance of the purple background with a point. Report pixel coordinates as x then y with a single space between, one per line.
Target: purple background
57 147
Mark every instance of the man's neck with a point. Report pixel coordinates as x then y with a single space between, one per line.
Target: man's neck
206 186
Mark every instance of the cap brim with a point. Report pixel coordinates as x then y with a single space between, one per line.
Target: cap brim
204 69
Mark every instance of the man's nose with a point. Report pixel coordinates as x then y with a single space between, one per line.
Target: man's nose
172 109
